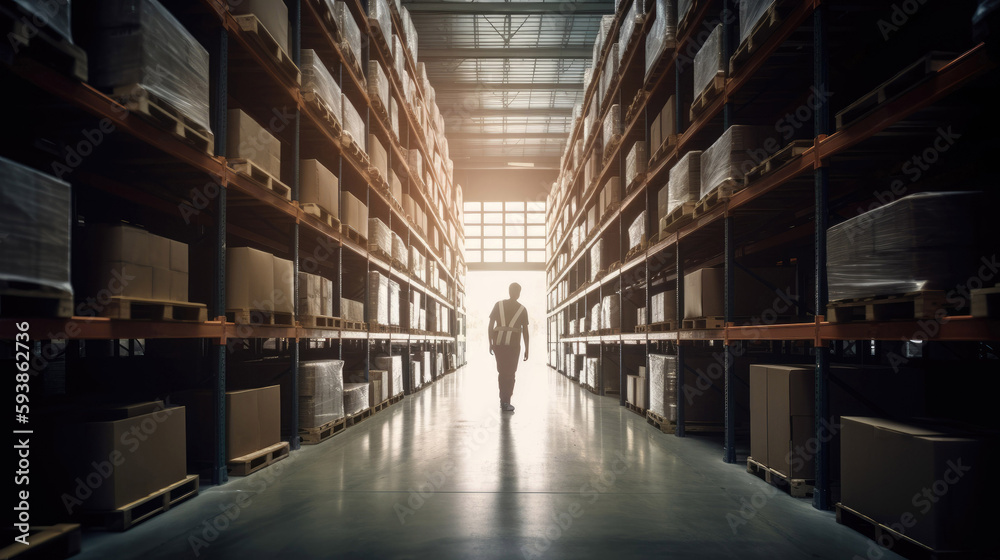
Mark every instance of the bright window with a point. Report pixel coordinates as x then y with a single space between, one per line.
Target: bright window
512 232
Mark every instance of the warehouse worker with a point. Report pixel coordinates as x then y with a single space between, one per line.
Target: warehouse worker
508 323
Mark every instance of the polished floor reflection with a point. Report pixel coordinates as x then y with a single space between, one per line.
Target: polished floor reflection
445 474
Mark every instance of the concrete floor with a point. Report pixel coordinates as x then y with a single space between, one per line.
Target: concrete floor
444 474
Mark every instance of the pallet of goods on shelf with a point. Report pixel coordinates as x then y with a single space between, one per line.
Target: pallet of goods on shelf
662 396
315 301
350 34
154 66
255 153
661 39
272 15
663 131
724 163
758 21
318 188
35 208
353 314
709 72
686 10
394 366
677 200
632 21
378 90
778 160
258 288
637 236
356 402
354 218
378 167
380 23
899 260
760 291
321 400
50 44
635 165
321 92
354 139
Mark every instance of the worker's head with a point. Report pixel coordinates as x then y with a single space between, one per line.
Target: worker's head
515 290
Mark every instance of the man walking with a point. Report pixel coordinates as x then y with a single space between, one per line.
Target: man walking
508 323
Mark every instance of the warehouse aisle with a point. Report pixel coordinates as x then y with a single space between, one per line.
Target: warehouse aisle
445 475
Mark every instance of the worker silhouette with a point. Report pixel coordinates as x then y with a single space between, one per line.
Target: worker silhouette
508 323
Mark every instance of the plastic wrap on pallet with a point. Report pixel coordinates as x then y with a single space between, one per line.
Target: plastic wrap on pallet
636 161
919 242
612 124
610 70
379 236
399 250
416 378
394 116
393 365
595 317
415 160
596 252
592 367
632 21
355 398
664 306
412 39
637 231
439 364
641 318
321 392
378 83
349 31
729 158
612 194
663 32
326 296
354 125
378 157
607 21
35 211
351 310
683 7
394 303
378 10
316 79
154 51
709 61
54 15
684 184
750 13
663 386
611 312
377 310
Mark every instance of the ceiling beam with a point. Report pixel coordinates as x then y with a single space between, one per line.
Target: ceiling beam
502 165
501 135
470 87
433 54
532 112
518 8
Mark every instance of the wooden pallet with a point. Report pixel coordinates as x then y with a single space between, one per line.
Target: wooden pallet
40 302
39 43
635 182
381 254
51 542
715 197
668 427
610 149
688 18
986 302
327 17
353 325
666 147
121 307
257 174
638 410
678 217
359 417
319 434
381 111
760 33
380 406
609 332
780 159
319 322
661 423
796 487
907 79
322 109
353 148
637 250
132 514
321 214
139 100
662 326
253 462
260 317
898 542
351 235
656 70
375 32
396 399
637 102
700 323
913 305
264 43
379 328
713 90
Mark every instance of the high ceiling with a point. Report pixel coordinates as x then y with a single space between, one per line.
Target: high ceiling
507 75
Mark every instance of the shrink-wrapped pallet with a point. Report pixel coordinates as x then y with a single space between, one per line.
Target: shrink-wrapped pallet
416 378
611 195
596 252
399 250
664 306
377 309
321 392
636 161
684 184
924 241
394 116
51 15
398 56
611 312
592 367
595 318
36 212
607 21
379 18
354 125
393 365
272 14
326 295
683 8
662 33
378 157
612 125
139 42
709 62
411 33
641 317
610 73
427 365
378 84
631 20
351 310
637 231
415 161
727 160
393 303
355 398
349 30
750 13
663 386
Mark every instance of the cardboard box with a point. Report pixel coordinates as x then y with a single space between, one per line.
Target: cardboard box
703 291
161 283
318 185
179 257
790 424
284 285
148 463
121 243
123 411
178 286
159 251
933 477
249 278
384 380
668 118
273 15
246 139
124 279
253 420
664 306
758 413
310 294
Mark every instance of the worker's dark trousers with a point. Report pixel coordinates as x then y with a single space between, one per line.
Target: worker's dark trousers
507 357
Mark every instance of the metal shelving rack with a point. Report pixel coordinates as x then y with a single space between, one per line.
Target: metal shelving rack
715 238
237 204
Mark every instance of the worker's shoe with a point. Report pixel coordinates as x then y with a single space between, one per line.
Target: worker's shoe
507 407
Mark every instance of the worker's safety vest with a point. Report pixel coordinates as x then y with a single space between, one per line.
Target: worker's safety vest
507 334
